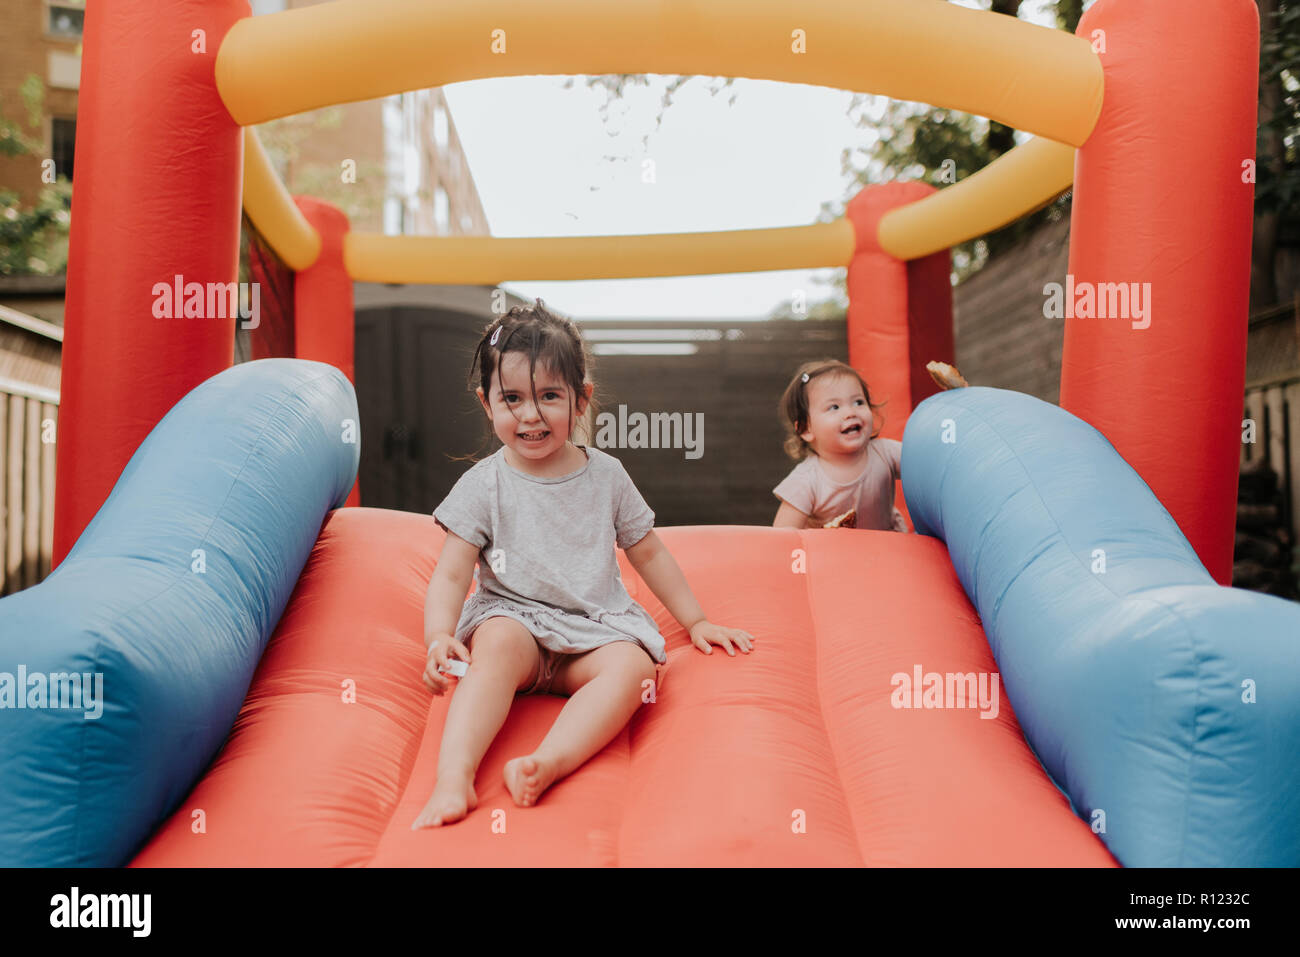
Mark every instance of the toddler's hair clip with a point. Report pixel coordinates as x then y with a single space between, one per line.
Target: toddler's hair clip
495 336
805 377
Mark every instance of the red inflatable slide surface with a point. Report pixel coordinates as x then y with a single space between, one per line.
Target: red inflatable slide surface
797 754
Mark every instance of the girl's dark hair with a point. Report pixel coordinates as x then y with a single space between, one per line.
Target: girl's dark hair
546 338
794 403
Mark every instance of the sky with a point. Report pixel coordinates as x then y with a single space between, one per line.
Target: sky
545 164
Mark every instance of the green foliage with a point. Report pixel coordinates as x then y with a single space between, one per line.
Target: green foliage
33 240
1277 186
615 84
939 146
913 141
283 138
1068 14
13 141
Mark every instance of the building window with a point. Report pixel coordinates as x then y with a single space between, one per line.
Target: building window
393 216
394 165
63 138
67 19
411 168
441 209
440 127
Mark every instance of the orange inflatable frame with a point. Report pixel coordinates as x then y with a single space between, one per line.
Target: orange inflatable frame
807 729
1158 199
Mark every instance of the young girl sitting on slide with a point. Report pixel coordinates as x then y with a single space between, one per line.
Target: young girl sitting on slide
847 474
542 518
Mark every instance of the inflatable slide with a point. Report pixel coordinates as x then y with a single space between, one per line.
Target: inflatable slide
261 651
224 666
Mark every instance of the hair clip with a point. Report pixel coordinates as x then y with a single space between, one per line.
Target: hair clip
495 336
805 377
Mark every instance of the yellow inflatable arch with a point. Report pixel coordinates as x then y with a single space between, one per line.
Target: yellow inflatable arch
1150 113
924 50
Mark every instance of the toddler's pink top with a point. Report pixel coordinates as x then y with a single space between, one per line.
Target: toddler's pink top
812 491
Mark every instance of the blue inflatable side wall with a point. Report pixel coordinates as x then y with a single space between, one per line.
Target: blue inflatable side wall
1165 706
123 672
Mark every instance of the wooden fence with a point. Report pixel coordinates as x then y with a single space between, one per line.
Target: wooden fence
28 423
1273 408
416 412
733 373
728 374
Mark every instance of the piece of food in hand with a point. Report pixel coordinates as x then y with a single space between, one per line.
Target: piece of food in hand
848 520
946 376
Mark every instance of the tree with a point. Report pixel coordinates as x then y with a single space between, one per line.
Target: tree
283 138
1277 173
33 240
917 141
914 141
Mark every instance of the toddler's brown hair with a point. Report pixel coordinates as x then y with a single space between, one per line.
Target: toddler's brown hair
793 408
545 337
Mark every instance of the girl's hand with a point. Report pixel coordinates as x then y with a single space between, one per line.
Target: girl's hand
705 633
440 649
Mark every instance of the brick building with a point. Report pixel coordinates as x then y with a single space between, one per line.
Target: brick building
410 138
40 38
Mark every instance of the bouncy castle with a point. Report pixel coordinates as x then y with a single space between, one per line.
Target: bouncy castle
253 650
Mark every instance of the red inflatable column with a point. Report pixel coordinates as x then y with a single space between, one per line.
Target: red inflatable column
159 165
324 319
900 313
1161 205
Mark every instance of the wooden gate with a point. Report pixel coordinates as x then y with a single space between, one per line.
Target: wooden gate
417 415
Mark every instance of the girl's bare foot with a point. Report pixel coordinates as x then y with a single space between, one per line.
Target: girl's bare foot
453 797
528 777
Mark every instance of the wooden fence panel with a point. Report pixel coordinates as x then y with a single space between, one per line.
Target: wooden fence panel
13 524
27 475
31 493
50 414
1275 409
1254 412
1291 469
734 380
4 491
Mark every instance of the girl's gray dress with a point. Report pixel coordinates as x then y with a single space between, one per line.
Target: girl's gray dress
547 556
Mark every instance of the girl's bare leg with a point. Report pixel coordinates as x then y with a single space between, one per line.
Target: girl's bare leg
505 659
605 687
